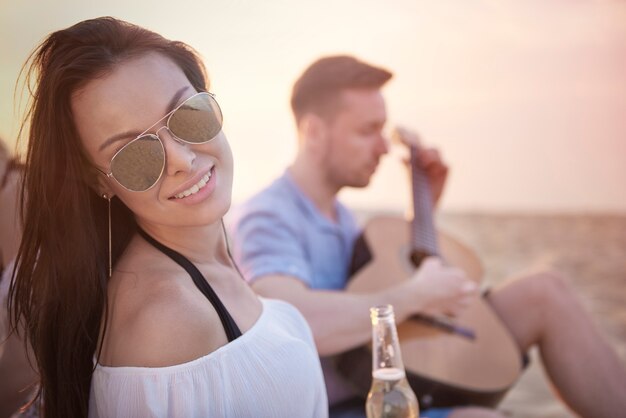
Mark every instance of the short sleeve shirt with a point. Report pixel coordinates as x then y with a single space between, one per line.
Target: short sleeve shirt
280 231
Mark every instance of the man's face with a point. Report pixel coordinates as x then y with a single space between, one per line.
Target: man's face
354 138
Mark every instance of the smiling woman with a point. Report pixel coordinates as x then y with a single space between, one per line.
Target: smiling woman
121 211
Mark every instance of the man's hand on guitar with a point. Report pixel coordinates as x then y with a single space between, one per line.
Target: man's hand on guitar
444 290
436 170
429 159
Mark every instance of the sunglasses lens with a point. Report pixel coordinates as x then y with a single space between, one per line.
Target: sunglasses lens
198 120
139 164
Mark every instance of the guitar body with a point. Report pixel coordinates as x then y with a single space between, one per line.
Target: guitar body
443 368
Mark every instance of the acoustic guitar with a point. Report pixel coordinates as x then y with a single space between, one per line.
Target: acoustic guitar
471 361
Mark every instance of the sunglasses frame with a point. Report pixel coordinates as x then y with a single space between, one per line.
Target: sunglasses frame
144 134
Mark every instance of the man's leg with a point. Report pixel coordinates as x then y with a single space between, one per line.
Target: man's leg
542 309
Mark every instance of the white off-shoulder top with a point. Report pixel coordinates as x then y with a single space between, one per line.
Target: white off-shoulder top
272 371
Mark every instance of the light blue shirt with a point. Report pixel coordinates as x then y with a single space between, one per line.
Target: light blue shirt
280 231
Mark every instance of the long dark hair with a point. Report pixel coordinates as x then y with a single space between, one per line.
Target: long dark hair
59 290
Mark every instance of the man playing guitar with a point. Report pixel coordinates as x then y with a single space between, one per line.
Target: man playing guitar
294 241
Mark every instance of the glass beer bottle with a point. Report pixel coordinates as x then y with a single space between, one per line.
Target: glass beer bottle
390 395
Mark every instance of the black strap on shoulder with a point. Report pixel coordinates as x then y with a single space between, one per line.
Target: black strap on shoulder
230 327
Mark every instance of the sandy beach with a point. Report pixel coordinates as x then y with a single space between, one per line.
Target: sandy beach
589 249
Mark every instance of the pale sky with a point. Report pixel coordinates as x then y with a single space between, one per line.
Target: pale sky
525 99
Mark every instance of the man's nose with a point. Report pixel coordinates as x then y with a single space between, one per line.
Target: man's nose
382 145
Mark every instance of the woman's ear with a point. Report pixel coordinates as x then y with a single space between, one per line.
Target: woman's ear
101 186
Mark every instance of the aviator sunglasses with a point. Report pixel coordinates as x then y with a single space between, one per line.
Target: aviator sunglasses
138 165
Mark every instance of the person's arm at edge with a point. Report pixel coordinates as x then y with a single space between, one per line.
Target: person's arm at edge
19 378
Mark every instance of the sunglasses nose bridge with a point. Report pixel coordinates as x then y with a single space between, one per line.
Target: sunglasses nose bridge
170 134
179 156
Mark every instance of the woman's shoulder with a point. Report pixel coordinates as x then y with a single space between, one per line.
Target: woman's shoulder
156 320
288 319
234 380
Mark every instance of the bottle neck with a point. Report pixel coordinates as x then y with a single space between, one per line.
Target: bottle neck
385 345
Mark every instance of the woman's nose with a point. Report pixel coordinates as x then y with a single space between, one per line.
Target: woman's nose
179 156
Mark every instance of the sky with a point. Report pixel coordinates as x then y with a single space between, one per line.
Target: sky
526 100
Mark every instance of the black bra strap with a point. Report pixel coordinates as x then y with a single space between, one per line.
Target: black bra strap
230 327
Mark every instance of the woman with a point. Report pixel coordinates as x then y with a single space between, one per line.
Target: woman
128 176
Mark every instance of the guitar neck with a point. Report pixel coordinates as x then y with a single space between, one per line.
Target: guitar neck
423 233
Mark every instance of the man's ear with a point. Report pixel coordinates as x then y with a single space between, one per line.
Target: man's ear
313 130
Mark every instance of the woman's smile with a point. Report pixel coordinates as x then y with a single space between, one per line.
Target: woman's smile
199 191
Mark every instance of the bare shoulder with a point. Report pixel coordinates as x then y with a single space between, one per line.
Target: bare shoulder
159 321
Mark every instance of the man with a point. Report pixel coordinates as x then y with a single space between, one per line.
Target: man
294 241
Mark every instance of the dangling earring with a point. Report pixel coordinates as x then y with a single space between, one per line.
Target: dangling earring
105 196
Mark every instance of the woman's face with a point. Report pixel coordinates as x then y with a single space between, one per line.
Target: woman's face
126 102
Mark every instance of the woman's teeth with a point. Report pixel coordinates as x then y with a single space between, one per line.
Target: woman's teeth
195 188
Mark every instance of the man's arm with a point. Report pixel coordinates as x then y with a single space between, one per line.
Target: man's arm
269 249
340 320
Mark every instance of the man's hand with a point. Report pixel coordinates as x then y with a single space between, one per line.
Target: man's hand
442 289
429 159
